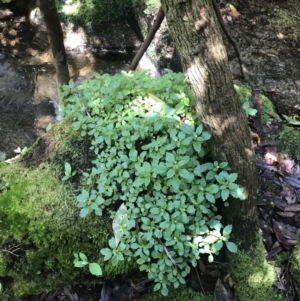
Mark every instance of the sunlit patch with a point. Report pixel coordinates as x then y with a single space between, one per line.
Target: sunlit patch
75 38
72 9
216 49
280 36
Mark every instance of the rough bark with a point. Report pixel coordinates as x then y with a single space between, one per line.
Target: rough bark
195 30
56 38
159 18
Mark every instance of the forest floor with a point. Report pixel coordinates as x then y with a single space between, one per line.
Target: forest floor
270 45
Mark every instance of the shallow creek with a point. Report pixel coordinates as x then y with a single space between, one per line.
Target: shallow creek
28 92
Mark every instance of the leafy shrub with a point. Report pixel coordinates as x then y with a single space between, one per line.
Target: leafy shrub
151 173
94 12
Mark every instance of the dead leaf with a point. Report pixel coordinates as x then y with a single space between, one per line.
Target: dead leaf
233 12
276 249
288 192
285 234
292 208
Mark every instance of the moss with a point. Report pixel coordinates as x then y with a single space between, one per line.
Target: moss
40 223
295 265
289 141
182 293
253 277
244 93
95 13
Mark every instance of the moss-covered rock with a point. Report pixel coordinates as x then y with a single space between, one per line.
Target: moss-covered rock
253 276
40 223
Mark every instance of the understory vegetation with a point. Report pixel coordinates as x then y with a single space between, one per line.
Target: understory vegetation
151 173
93 13
127 173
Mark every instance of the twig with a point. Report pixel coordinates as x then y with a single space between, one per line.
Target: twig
230 39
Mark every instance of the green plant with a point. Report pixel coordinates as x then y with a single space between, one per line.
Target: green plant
68 172
81 260
151 172
248 110
94 13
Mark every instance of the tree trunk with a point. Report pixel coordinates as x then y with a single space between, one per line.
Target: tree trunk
196 33
56 38
195 30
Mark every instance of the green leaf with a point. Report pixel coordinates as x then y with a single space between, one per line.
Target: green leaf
210 198
211 239
157 287
49 126
80 264
155 210
170 157
138 182
225 194
223 164
170 173
231 246
83 257
186 175
199 129
186 128
112 243
206 135
232 177
227 230
210 175
159 168
68 168
107 253
95 269
197 145
84 211
164 291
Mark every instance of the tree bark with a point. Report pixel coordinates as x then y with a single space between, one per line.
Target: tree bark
56 38
197 35
159 18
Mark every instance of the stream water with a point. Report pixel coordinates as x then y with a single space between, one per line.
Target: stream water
28 92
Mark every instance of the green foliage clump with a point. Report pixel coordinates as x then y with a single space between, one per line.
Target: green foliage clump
150 172
95 13
150 5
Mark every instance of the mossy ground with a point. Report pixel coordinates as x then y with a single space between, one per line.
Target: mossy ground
289 141
40 223
295 266
253 276
182 293
244 93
